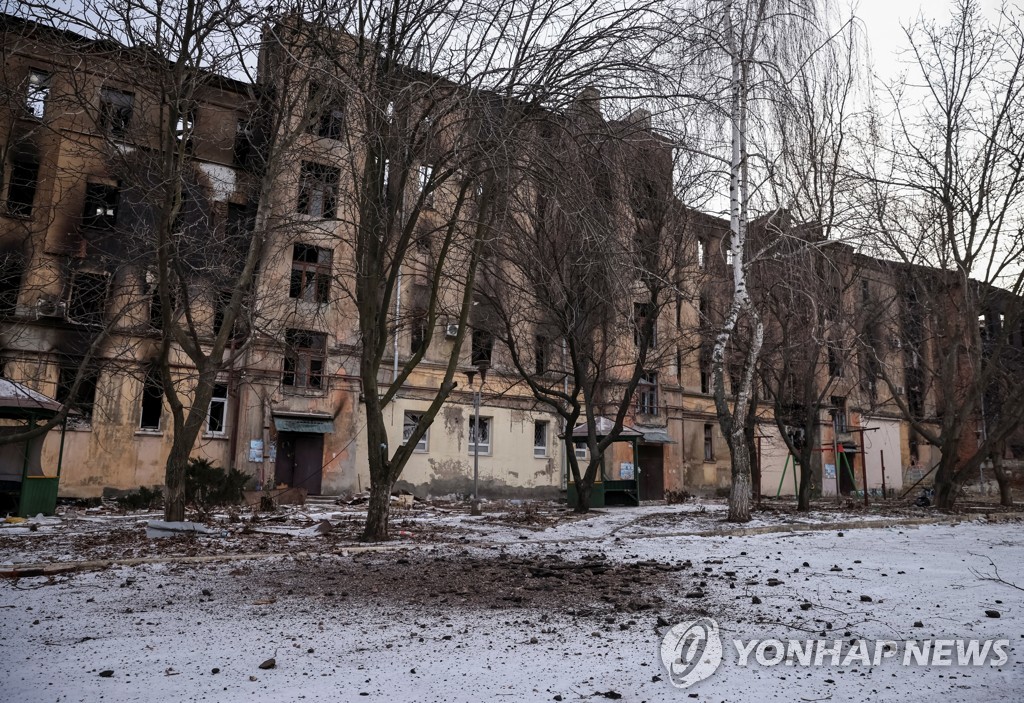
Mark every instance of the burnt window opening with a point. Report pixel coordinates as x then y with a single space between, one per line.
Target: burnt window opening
116 108
645 199
417 330
318 190
541 352
100 210
482 347
647 393
12 268
305 359
311 274
185 127
22 186
835 360
84 399
240 220
327 117
679 366
156 305
705 371
244 148
88 298
865 291
152 402
709 443
644 314
704 308
37 93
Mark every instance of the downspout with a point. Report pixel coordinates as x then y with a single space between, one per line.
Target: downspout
565 428
398 313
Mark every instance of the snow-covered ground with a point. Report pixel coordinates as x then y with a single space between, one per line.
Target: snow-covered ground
571 612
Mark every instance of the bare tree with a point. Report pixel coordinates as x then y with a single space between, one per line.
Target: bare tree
440 94
741 51
579 284
948 190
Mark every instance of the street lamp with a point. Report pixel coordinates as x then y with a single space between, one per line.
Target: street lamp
474 506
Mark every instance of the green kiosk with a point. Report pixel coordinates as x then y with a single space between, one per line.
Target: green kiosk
613 486
24 482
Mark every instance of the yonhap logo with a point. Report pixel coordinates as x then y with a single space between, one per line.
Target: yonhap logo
691 651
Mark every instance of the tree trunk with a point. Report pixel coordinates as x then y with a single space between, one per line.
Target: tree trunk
739 494
378 512
947 488
1005 492
583 488
174 480
803 502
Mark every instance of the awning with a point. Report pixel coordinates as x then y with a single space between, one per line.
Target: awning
603 426
656 437
308 423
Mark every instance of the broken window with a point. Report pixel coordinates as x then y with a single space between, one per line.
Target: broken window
835 360
327 118
38 93
480 440
12 267
705 370
186 125
482 347
417 330
642 312
88 298
647 394
21 189
540 438
152 402
305 358
84 399
425 174
100 211
116 107
541 354
410 420
244 148
311 274
217 416
318 190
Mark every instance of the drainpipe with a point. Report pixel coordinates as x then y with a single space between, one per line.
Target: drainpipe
398 313
565 426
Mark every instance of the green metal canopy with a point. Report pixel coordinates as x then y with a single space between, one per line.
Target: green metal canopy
307 423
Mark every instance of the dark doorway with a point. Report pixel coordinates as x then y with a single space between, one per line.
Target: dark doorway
300 461
846 483
652 472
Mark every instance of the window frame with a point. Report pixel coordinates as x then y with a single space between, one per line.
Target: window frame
117 107
481 347
318 184
486 422
647 393
38 83
544 448
222 401
23 181
709 442
104 201
299 359
310 281
411 418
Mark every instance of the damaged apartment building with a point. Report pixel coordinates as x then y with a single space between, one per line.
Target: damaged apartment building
82 314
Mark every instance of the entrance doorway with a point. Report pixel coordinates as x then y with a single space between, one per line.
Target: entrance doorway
300 459
652 472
